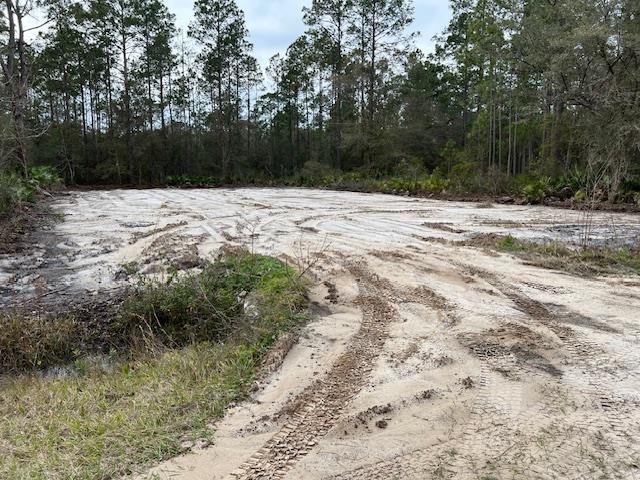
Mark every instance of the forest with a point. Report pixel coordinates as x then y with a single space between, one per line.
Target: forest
539 96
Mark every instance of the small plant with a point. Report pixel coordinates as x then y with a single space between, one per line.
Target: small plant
537 191
14 192
44 176
128 269
509 243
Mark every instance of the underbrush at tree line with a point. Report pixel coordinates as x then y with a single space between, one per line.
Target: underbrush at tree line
463 179
16 191
147 378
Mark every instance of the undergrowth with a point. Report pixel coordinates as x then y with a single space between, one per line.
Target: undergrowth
173 357
19 212
17 191
463 179
589 260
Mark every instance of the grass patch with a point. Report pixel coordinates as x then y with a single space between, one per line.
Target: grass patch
509 243
178 353
580 261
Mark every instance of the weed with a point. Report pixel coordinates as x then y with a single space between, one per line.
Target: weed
14 192
108 423
509 243
538 190
35 341
128 269
559 256
44 176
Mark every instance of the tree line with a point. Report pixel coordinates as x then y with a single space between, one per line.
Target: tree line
112 92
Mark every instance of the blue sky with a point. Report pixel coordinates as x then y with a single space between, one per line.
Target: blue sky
274 24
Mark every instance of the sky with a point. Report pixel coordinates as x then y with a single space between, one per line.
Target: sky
274 24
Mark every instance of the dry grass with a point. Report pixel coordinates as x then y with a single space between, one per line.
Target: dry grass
35 340
579 261
110 415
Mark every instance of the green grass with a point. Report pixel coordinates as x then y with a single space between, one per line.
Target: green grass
508 243
118 413
577 260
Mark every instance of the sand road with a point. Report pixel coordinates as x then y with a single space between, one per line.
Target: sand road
424 359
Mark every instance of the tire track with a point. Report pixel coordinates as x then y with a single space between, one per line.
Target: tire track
601 437
318 408
503 439
467 453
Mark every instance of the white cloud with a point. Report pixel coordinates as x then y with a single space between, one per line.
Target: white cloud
275 24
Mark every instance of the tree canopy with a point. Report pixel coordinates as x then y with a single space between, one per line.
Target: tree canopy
112 92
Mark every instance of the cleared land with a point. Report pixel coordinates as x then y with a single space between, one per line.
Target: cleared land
429 356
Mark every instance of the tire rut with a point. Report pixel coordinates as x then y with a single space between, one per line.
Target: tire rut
604 433
318 408
500 439
467 453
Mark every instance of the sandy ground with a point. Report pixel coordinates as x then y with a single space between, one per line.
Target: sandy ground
423 359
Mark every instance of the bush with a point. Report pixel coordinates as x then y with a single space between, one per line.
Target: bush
44 176
509 243
538 190
14 192
198 307
410 168
192 181
315 173
466 177
208 306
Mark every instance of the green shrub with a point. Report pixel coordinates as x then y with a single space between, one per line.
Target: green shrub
44 176
208 306
436 182
509 243
631 186
411 167
200 307
314 173
192 181
466 177
538 190
14 192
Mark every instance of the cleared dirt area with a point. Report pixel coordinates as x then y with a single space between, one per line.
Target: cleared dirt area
424 359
